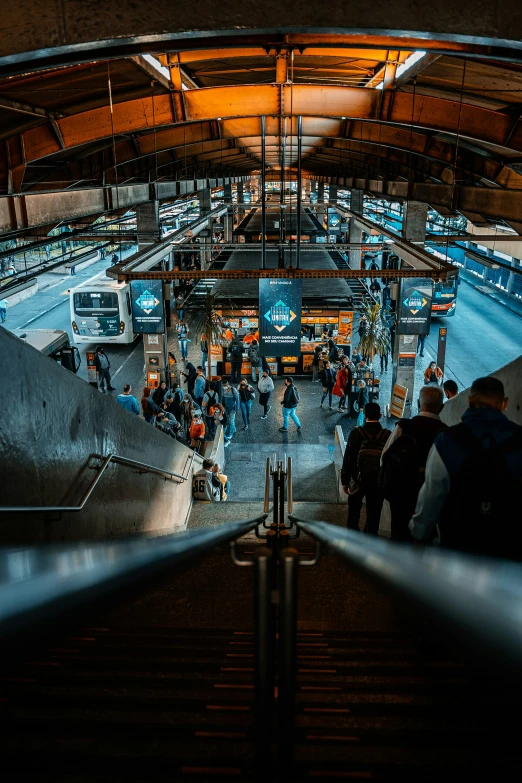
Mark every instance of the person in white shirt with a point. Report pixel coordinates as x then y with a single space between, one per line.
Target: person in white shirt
3 309
265 387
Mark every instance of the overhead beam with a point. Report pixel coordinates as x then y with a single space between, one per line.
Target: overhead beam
26 108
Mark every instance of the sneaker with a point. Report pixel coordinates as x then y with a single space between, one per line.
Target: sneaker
321 405
299 428
227 443
269 409
330 408
264 417
282 429
247 426
111 388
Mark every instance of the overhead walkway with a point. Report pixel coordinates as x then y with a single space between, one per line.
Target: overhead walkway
238 651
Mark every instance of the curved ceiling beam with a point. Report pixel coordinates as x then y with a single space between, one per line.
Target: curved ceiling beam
205 105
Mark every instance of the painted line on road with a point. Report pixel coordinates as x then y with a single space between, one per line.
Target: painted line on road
125 362
40 315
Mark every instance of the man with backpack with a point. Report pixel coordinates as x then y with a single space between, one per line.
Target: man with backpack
254 359
471 491
361 467
404 459
210 400
236 358
290 402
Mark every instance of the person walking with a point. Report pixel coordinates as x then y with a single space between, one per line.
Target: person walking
190 376
230 399
433 374
236 358
290 402
148 406
265 388
315 363
360 470
386 295
179 307
341 383
254 359
383 356
199 385
128 400
420 344
246 396
327 377
203 344
404 457
210 400
102 364
4 304
197 432
361 401
183 333
472 481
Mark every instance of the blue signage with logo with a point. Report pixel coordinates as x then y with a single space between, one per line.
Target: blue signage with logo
280 303
147 307
415 306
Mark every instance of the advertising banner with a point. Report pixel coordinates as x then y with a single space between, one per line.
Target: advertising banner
346 324
147 307
415 299
398 400
280 304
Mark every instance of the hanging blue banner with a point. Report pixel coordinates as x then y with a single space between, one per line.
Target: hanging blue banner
415 306
280 303
147 306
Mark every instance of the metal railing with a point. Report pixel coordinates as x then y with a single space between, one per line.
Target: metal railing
105 462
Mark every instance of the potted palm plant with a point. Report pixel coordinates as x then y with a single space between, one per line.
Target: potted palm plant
375 340
207 322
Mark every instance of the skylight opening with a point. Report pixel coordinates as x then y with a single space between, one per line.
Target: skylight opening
405 66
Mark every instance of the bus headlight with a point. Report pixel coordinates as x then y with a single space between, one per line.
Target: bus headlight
75 328
122 327
452 305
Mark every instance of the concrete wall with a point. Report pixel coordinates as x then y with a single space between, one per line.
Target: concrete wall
511 377
51 422
21 292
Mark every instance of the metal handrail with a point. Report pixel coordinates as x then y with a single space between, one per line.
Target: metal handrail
480 599
289 491
40 581
267 486
167 475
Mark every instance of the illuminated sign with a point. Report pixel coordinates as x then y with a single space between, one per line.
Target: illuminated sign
147 307
280 303
415 306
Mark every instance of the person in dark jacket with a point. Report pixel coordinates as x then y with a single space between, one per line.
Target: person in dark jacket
315 363
356 490
423 428
190 376
159 394
289 403
236 359
332 351
328 381
148 406
102 364
454 498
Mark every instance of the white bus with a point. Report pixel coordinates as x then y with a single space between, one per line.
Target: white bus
101 311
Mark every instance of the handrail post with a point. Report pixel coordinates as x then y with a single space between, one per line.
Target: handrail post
267 486
288 565
264 648
289 490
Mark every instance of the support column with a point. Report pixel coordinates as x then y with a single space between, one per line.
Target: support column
240 200
147 223
320 202
414 221
205 202
356 201
228 227
333 194
355 235
403 373
227 193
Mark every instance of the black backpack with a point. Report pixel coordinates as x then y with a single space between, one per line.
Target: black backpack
236 351
400 472
369 456
481 514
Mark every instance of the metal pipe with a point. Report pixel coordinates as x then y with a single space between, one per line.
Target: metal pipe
263 194
267 486
288 565
299 177
264 639
289 492
167 475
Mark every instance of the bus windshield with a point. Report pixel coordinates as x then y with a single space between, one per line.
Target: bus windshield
96 303
446 289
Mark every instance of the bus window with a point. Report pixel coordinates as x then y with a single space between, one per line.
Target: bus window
129 306
87 302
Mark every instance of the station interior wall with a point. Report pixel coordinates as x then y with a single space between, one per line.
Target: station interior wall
52 421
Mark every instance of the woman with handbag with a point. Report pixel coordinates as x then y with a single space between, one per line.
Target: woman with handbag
246 395
341 381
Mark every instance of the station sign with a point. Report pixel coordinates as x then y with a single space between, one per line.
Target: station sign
148 316
415 299
280 303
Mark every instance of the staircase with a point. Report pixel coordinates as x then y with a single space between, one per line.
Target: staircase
206 284
360 292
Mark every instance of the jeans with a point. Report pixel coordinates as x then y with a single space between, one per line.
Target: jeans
180 314
325 395
246 407
255 368
231 425
104 376
3 314
183 344
290 413
315 372
420 344
384 362
264 399
235 372
374 503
